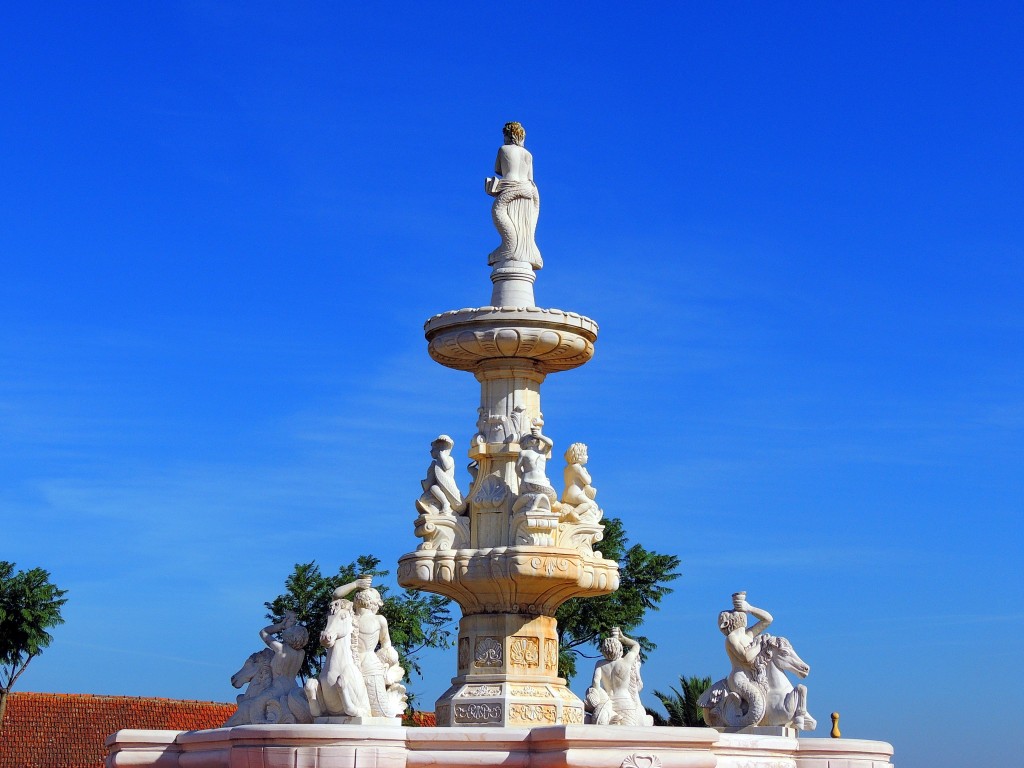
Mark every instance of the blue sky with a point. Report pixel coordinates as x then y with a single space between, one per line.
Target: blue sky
799 226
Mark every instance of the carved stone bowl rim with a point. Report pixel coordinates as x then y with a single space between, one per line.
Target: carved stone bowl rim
527 316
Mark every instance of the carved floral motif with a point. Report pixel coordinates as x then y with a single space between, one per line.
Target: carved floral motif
488 653
572 715
637 760
524 652
491 493
528 690
551 654
478 713
481 690
532 713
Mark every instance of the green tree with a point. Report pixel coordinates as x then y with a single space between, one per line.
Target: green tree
29 606
415 620
681 705
643 576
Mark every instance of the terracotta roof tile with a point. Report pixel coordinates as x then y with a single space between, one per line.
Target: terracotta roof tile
66 730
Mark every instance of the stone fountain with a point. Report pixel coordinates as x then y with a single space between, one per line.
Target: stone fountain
509 552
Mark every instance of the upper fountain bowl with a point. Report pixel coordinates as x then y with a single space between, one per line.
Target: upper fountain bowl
553 339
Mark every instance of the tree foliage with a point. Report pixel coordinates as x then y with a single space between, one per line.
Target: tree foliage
681 704
415 620
29 606
643 576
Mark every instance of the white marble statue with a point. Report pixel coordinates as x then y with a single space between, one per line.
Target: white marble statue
361 676
613 697
273 695
441 495
376 657
757 691
516 201
578 497
535 491
339 690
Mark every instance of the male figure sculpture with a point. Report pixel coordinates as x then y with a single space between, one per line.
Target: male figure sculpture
376 658
757 691
339 690
441 493
516 201
273 695
614 694
535 491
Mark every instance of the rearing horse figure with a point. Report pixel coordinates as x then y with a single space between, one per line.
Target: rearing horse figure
770 699
339 690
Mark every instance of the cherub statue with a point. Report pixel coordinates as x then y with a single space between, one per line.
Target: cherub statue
516 201
578 497
441 495
613 697
273 695
535 491
757 691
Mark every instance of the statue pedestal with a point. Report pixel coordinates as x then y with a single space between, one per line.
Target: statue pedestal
559 746
513 284
763 730
395 722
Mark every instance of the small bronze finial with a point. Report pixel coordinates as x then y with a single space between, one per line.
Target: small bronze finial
835 726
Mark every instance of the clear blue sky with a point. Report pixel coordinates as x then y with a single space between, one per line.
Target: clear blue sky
798 224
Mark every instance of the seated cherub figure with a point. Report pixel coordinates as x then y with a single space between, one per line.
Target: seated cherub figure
578 497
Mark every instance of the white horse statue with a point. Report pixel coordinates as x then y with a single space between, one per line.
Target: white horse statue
770 699
339 690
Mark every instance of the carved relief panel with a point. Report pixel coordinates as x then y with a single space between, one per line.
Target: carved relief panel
524 652
488 652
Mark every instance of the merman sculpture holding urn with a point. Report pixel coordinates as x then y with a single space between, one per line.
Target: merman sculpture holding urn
509 553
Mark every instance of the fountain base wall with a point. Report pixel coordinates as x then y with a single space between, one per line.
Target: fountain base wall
573 746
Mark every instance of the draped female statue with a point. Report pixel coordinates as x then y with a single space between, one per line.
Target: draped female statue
516 201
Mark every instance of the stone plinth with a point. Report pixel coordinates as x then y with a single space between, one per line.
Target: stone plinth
560 746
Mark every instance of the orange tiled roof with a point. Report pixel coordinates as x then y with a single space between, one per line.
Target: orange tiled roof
67 730
420 719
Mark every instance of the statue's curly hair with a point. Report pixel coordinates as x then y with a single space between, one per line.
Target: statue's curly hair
732 619
516 132
611 648
296 636
574 453
368 598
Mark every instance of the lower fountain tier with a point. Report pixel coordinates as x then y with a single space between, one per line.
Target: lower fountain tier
556 746
549 339
531 580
